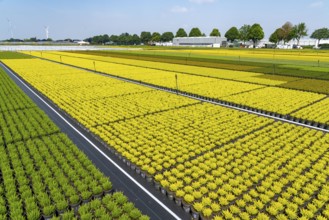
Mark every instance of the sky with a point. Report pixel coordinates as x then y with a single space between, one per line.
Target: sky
79 19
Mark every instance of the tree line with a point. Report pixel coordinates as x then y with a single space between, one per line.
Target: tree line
288 32
245 33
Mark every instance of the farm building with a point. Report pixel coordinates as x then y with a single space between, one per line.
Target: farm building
200 41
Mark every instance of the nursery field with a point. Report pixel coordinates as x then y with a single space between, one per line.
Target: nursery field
43 175
250 90
298 63
245 74
215 162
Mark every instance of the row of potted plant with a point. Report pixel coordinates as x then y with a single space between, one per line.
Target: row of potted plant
19 125
10 96
233 86
190 197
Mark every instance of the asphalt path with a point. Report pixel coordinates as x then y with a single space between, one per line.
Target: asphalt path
149 200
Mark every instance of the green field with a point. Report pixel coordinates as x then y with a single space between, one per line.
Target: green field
290 63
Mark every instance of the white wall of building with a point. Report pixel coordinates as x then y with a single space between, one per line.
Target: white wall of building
199 41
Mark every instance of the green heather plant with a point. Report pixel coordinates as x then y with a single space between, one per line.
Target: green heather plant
3 209
97 190
30 204
127 207
124 217
107 186
74 199
85 208
110 205
85 195
61 205
116 212
69 215
34 214
107 198
120 198
144 217
135 213
86 216
99 211
80 186
94 204
48 210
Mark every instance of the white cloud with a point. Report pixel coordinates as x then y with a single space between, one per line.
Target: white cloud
317 4
202 1
179 9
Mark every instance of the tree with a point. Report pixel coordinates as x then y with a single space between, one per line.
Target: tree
135 39
287 32
195 32
275 36
299 31
124 39
156 37
256 33
322 33
167 36
100 39
181 33
244 33
215 33
232 34
146 37
114 39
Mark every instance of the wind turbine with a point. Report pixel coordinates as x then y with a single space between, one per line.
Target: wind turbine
47 32
10 28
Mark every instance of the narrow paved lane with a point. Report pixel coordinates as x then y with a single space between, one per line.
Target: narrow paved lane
150 201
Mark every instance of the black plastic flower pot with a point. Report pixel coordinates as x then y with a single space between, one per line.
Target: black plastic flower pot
178 201
163 191
149 178
170 195
195 214
156 185
186 207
